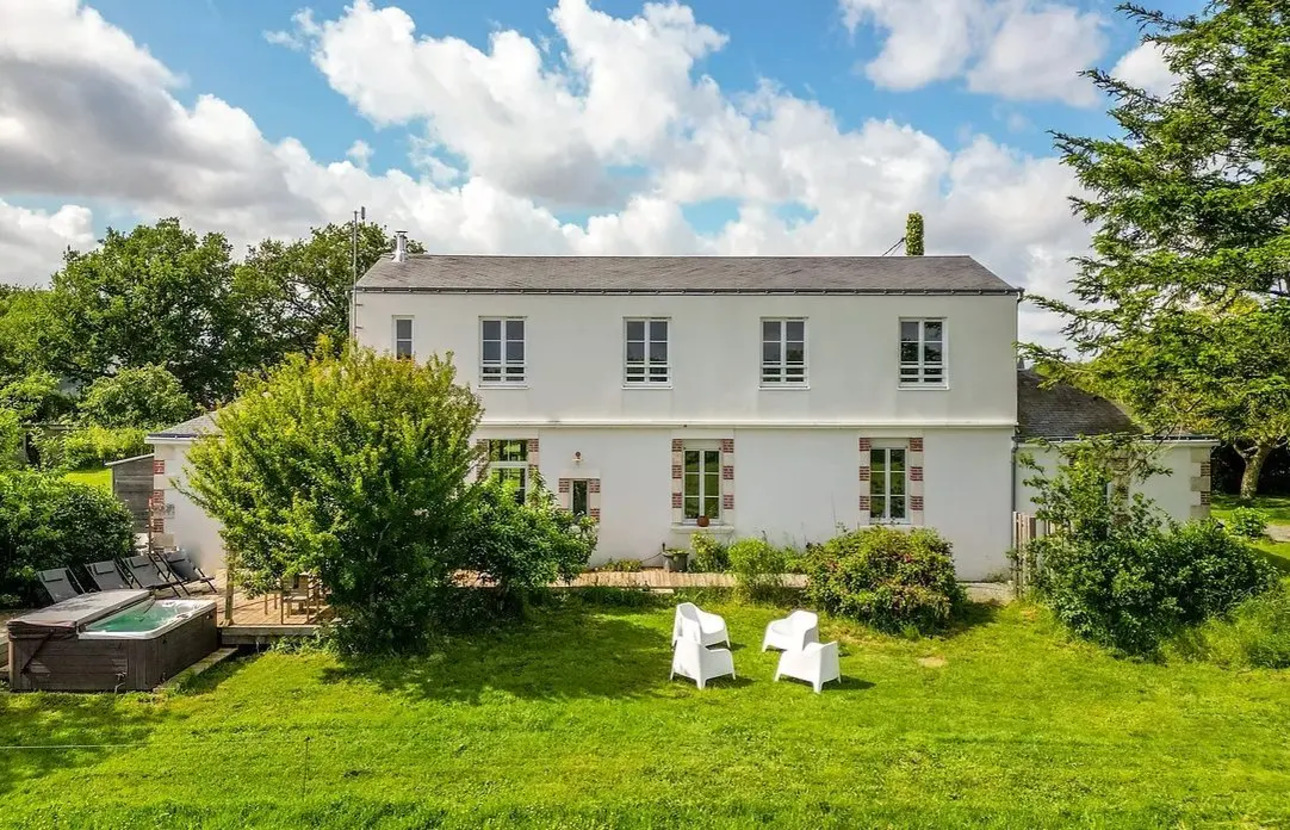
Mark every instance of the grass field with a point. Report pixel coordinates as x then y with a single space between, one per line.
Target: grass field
1277 507
572 722
101 477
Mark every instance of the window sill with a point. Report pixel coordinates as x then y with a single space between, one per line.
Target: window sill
691 527
667 385
924 387
889 523
785 387
486 385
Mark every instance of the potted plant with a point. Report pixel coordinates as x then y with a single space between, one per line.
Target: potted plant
703 521
676 559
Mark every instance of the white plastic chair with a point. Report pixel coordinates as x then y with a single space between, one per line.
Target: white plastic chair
793 632
699 663
707 629
816 664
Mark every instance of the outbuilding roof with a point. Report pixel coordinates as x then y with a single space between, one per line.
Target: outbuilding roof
1063 411
683 275
192 428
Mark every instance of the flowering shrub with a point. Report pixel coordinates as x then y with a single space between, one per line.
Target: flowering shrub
890 579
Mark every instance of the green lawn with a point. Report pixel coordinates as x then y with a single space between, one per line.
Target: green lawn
1277 507
572 722
101 477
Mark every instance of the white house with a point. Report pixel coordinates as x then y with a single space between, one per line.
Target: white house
780 396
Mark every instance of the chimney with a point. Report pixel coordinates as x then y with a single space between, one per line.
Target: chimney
400 246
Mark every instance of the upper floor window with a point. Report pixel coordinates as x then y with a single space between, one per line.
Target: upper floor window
783 351
508 460
501 350
646 357
402 337
922 352
887 479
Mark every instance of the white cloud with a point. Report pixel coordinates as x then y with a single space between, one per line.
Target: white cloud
926 40
360 152
1016 49
616 115
1037 54
1144 67
32 241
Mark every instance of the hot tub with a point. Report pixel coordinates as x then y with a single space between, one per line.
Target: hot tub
109 641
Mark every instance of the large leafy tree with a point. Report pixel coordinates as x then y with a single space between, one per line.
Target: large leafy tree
30 336
147 396
159 294
1189 274
295 292
354 467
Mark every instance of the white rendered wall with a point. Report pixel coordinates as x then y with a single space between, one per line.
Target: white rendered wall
575 357
193 531
793 485
1178 495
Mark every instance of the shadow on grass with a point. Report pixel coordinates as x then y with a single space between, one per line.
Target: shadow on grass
973 615
559 654
41 732
1280 562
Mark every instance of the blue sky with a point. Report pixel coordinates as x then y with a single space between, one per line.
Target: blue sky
561 126
218 46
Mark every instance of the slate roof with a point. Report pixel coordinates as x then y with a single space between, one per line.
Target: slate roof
684 275
191 428
1062 411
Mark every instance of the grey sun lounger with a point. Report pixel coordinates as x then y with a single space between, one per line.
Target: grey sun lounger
107 576
186 569
59 584
145 571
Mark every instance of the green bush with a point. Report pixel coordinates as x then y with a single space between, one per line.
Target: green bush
518 547
1256 634
11 435
1130 592
1248 522
757 565
709 554
359 468
49 522
893 580
91 446
1113 571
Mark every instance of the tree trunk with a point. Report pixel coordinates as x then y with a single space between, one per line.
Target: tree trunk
1254 459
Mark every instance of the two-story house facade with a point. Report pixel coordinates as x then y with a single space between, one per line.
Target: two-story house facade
778 396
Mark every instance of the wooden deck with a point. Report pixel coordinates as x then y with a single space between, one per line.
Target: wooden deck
245 620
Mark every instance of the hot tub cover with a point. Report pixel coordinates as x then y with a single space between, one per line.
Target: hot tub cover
69 616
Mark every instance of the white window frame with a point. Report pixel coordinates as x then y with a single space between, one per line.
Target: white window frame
922 373
410 340
505 372
648 377
522 464
703 474
782 379
883 483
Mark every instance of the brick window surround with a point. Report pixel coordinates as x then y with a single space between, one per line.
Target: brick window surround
727 449
913 480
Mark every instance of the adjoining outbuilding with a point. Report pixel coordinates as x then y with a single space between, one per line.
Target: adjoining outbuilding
1061 412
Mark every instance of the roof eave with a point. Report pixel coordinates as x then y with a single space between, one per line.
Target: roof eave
937 292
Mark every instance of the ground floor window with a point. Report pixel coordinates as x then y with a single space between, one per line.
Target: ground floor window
508 460
702 481
578 500
887 480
